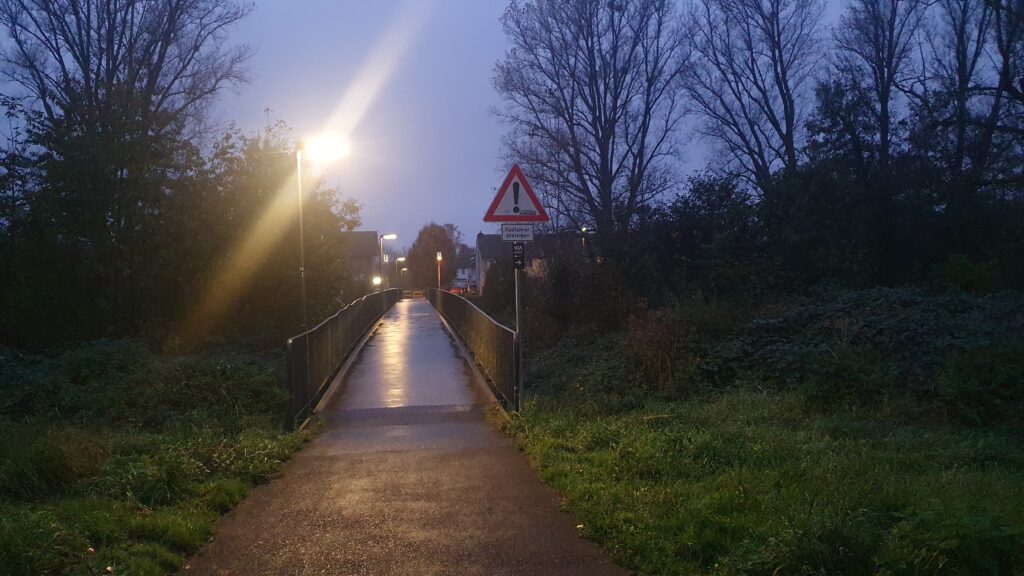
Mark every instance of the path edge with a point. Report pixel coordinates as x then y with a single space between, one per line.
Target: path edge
480 380
336 382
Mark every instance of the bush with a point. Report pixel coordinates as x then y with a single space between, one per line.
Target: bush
124 384
965 274
113 456
674 345
985 386
913 331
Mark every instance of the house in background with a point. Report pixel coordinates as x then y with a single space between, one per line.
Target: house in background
466 277
490 249
363 251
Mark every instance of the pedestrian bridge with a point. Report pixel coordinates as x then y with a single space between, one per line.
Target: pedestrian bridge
317 356
408 475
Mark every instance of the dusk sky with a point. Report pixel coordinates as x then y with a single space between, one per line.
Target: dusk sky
427 146
409 81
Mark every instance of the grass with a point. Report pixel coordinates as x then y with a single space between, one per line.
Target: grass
839 469
759 483
115 460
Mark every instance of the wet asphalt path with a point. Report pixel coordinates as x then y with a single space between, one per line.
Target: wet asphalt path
407 478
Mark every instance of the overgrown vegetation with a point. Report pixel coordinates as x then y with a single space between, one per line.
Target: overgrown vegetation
113 457
848 432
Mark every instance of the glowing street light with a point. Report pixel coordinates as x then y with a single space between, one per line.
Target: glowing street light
322 149
397 261
383 237
376 280
439 258
326 148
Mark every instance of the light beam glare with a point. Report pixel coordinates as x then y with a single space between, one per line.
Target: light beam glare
241 264
244 260
388 52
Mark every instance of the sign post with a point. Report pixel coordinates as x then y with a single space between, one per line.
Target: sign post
517 208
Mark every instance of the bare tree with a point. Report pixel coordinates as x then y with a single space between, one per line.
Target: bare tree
875 39
754 62
158 61
593 100
955 69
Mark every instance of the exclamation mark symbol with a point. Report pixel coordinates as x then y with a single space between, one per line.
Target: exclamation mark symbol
515 196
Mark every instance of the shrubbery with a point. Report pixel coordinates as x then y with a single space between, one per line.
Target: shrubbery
113 456
933 352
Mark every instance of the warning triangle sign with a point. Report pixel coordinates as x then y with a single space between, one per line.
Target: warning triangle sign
515 201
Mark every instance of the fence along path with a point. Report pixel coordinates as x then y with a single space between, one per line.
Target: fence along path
407 477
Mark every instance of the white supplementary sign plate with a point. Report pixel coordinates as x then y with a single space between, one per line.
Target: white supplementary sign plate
516 232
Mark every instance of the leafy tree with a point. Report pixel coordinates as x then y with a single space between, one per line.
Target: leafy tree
422 258
108 98
236 244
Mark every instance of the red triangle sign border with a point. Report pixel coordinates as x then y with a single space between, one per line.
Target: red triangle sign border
540 216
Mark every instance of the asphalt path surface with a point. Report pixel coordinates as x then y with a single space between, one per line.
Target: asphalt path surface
408 477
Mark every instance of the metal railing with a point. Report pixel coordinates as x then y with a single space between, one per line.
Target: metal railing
315 356
494 347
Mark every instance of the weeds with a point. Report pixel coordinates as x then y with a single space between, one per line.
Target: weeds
112 456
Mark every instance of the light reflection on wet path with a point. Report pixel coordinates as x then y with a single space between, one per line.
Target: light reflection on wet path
409 361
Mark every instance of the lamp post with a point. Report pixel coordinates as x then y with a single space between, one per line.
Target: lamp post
302 239
397 277
383 237
439 257
321 149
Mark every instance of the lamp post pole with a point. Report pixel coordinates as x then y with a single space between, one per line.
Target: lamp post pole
439 270
380 241
302 235
398 278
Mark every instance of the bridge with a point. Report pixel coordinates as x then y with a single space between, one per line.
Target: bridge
409 474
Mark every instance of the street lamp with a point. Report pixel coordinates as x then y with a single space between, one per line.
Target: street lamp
397 260
322 149
383 237
439 257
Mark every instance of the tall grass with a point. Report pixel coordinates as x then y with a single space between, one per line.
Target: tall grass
112 457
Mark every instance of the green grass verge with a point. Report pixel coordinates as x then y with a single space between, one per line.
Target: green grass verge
756 483
116 460
760 480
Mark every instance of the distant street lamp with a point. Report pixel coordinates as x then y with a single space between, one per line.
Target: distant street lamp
439 258
383 237
397 260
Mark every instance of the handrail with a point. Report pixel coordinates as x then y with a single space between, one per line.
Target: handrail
315 356
494 347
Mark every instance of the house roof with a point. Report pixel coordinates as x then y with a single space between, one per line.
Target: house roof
361 244
491 247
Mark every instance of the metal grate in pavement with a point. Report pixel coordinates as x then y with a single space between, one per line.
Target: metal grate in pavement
361 413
